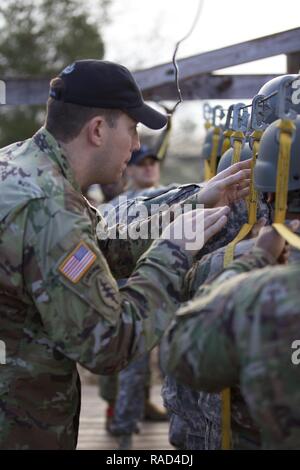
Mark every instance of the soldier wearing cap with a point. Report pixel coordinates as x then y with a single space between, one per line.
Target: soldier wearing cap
60 303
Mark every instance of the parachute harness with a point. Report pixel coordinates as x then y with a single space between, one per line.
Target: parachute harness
286 132
237 140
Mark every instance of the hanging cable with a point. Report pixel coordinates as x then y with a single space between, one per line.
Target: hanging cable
198 12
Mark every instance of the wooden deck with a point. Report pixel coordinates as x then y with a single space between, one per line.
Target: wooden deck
92 434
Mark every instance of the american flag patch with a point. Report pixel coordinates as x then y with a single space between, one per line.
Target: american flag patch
78 262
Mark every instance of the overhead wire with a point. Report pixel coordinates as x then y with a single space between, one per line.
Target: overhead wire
174 60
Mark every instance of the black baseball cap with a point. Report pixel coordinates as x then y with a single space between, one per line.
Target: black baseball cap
139 155
103 84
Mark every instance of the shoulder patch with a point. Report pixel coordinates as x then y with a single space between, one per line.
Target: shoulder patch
77 263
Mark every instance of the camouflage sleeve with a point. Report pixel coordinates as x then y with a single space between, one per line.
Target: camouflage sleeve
210 258
140 215
211 265
84 315
202 336
255 259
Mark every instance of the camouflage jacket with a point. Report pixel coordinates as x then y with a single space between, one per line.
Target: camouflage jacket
241 326
59 301
200 410
245 434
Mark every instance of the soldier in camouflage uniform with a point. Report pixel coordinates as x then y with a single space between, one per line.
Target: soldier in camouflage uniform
218 330
259 335
128 394
59 301
124 415
245 433
126 423
199 411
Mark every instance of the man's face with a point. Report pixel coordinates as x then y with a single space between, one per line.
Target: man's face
118 144
112 190
145 174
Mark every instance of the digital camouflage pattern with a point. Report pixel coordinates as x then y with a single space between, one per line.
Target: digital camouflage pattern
49 322
186 194
245 434
241 325
177 431
199 410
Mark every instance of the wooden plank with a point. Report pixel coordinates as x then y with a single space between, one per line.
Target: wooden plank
26 91
285 42
211 87
92 434
293 62
35 91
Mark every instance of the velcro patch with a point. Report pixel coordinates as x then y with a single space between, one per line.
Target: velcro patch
77 263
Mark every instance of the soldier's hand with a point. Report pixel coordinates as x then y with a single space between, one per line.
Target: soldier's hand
192 229
271 242
228 186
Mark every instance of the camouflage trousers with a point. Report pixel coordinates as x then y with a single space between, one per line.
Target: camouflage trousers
128 393
177 432
199 416
201 430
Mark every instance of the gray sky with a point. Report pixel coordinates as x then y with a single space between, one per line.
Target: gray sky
144 32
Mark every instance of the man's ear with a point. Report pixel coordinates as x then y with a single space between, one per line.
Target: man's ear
96 131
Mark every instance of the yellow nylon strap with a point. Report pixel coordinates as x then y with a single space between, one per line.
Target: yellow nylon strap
225 394
214 151
206 170
229 252
252 198
289 236
246 228
238 138
287 128
228 257
226 419
226 142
